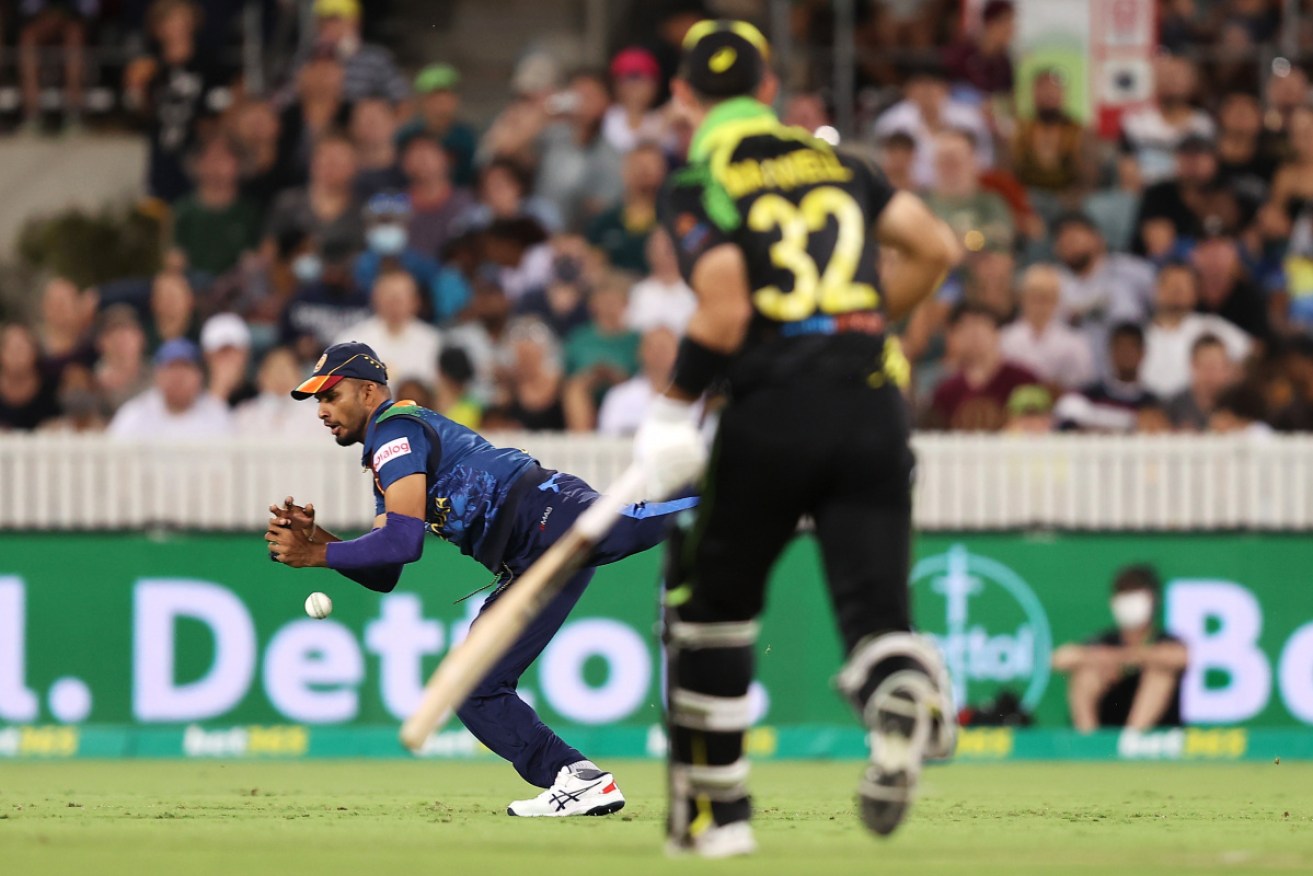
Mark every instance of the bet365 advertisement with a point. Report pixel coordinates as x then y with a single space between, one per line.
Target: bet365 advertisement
201 636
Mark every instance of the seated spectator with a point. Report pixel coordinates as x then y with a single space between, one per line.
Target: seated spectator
172 310
407 345
1030 411
176 89
580 171
1296 360
563 304
1129 676
525 258
1038 340
47 23
482 336
974 399
984 62
1284 93
625 404
926 112
634 117
373 130
1286 223
622 231
1174 212
897 153
263 171
1113 210
1153 132
226 346
64 330
178 407
504 188
1051 151
605 348
1225 288
326 302
81 408
273 413
455 397
120 369
1211 373
439 105
1246 156
435 203
320 109
27 396
532 395
1240 409
369 70
387 233
1099 288
1176 327
326 209
662 298
215 224
515 132
981 219
1111 404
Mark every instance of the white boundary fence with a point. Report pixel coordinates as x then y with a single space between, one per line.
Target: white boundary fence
964 482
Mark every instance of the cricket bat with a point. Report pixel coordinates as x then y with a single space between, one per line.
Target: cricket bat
490 638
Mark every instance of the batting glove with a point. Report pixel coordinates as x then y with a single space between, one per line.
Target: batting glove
668 447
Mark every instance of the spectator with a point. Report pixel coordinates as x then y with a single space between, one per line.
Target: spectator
563 304
504 188
633 118
806 110
373 131
455 397
927 111
439 106
226 345
45 23
273 413
532 396
27 397
120 370
1286 222
435 203
1039 340
81 408
1246 155
256 132
622 231
387 234
172 310
326 209
625 404
519 248
1154 132
1285 92
63 334
1225 288
483 334
1052 153
897 160
369 70
984 62
1030 411
974 398
1174 212
406 345
1175 329
1129 676
1113 210
1240 409
177 407
605 349
981 219
175 88
320 108
662 298
1297 362
580 172
326 302
215 224
1211 373
514 134
1111 404
1099 288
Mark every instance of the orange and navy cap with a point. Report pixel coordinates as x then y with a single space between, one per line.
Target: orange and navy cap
340 361
724 58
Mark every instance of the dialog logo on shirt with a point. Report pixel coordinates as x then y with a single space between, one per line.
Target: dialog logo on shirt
390 451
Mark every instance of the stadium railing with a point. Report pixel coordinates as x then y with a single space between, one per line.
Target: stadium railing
964 482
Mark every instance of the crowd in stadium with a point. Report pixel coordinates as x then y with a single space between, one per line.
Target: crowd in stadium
514 277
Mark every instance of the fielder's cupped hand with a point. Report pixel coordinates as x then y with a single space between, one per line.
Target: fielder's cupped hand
668 447
291 546
291 514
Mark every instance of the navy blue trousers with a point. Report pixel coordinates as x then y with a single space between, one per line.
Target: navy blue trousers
494 712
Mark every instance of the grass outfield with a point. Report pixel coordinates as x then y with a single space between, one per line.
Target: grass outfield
362 818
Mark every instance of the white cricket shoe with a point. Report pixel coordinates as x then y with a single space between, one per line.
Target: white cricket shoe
718 841
582 792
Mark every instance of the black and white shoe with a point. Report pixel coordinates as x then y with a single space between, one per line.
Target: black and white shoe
899 719
578 792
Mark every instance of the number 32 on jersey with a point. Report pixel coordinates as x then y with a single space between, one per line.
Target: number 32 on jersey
831 290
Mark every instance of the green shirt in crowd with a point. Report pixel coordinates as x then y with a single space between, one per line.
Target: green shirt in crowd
214 239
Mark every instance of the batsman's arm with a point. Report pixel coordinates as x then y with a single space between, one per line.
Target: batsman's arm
928 250
720 323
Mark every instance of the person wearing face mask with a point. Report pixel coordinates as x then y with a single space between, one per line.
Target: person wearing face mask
326 301
1129 676
389 248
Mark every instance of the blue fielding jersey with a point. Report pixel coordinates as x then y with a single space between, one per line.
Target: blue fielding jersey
473 486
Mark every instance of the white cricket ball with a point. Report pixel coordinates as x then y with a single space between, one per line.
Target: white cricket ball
318 605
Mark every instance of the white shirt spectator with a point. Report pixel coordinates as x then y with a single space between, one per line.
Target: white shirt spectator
1057 354
147 418
657 304
1153 141
616 130
1118 289
906 116
272 416
410 353
624 406
1166 368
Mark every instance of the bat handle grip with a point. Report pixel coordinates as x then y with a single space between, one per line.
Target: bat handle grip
598 518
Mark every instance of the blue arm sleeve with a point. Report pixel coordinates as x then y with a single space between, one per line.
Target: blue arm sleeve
380 579
393 545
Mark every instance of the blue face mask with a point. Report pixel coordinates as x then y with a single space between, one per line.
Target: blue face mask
307 267
387 239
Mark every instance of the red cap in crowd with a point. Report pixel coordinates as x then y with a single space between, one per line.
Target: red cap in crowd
635 62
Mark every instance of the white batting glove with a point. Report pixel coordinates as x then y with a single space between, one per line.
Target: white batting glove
668 447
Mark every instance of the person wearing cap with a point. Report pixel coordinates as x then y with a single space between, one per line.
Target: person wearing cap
226 346
369 70
925 110
779 236
436 114
1173 212
633 118
177 407
496 505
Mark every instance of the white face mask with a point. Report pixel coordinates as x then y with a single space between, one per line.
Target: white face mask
1132 610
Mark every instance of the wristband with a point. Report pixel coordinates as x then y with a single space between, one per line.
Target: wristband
401 540
696 366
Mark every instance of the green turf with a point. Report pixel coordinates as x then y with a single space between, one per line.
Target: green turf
363 818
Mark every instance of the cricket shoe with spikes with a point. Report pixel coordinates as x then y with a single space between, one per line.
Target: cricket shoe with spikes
899 719
575 792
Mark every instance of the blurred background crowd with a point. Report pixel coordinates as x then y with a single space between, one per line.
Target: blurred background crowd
504 260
